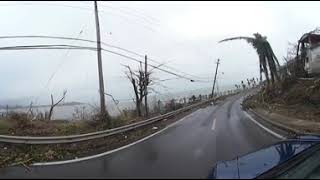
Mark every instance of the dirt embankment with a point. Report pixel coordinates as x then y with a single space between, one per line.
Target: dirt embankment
297 99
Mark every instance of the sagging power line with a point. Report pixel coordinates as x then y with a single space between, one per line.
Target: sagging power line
62 60
99 49
139 16
135 11
108 45
140 23
73 47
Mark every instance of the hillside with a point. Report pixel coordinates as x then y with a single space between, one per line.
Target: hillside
296 98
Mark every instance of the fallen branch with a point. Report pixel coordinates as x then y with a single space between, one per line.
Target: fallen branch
21 162
26 167
6 159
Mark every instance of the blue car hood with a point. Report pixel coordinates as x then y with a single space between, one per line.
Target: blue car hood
254 164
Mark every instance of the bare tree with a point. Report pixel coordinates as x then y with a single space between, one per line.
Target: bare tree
249 83
116 102
142 83
137 80
31 110
253 82
243 85
290 59
53 105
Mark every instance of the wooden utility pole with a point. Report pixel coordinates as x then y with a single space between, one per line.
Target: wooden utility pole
146 84
217 84
101 84
215 78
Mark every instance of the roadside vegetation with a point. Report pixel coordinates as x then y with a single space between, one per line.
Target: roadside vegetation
292 92
268 62
21 154
24 155
296 98
33 124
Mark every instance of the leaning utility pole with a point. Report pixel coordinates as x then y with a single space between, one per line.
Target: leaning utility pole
146 80
215 77
101 84
217 84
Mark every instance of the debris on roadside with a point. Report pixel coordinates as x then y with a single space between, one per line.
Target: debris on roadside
50 155
26 167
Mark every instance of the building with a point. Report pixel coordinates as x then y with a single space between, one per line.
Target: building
309 49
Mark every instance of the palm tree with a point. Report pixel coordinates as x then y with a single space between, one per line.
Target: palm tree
267 59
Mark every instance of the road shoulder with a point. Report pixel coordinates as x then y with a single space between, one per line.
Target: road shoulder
288 125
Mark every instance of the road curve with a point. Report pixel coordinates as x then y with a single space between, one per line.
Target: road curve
188 149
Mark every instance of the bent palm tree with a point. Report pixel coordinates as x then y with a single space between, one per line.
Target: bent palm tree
267 58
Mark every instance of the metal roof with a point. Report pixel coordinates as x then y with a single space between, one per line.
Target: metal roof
314 35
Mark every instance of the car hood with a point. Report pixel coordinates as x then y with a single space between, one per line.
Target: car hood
254 164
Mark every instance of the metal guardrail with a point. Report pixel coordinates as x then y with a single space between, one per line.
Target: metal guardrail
93 135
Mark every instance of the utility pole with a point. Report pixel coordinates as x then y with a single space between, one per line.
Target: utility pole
217 82
146 84
101 84
215 77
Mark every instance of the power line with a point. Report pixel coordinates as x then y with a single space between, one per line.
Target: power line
178 70
106 44
60 64
161 80
76 39
173 68
86 9
137 22
151 22
47 46
69 38
156 67
62 61
137 12
72 47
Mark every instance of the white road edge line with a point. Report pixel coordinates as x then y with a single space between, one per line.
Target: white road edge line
213 124
264 128
111 151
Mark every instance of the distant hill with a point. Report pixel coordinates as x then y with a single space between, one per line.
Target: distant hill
73 103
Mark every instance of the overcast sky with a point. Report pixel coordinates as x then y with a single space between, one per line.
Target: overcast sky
184 35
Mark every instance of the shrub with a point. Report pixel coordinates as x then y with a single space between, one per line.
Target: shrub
21 119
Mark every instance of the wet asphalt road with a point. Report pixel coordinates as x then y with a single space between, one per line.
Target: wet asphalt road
189 149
